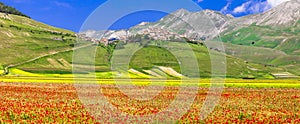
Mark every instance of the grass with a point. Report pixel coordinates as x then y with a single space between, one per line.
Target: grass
19 72
43 65
290 46
266 57
260 36
151 56
253 54
267 37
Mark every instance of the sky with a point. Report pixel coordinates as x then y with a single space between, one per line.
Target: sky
72 14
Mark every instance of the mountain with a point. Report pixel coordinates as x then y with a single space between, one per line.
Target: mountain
270 38
282 20
193 25
275 33
278 28
284 15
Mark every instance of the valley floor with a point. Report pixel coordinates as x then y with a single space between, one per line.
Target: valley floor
50 100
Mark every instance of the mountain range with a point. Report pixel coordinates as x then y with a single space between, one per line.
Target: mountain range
261 45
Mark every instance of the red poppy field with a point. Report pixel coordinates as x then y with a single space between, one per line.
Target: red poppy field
60 103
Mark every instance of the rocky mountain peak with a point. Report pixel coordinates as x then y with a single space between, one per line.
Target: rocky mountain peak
181 12
286 13
229 16
208 23
208 11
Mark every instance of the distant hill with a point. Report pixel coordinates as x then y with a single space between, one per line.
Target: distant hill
10 10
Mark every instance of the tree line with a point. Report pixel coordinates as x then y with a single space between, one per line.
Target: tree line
10 10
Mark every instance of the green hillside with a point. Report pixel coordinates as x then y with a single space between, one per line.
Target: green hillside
149 58
61 63
268 45
22 39
286 39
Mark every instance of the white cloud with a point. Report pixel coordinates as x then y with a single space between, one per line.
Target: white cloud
274 3
259 7
242 8
199 1
225 9
62 4
252 7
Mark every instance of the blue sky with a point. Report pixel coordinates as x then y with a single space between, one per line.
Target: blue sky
71 14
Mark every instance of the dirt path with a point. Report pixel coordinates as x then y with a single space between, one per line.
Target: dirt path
281 43
6 69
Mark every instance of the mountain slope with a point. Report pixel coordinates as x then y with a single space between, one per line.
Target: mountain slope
270 38
272 28
22 39
283 15
277 29
266 36
268 29
193 25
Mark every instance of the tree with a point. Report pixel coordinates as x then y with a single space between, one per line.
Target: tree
203 38
109 50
